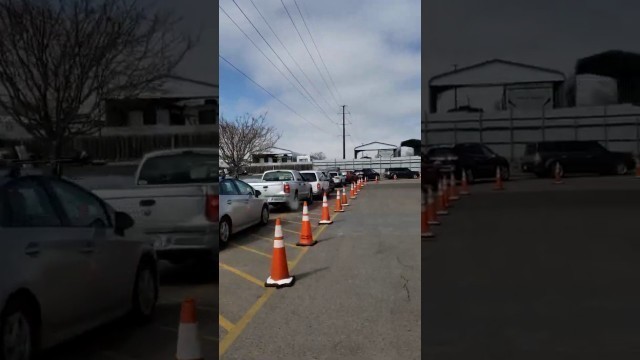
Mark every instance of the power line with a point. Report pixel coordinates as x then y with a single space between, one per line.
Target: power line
263 54
308 52
283 63
291 56
318 51
270 94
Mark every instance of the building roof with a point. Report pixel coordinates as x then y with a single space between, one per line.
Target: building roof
181 87
376 145
496 72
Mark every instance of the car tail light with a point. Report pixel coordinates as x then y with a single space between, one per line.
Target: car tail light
318 186
537 158
286 188
212 208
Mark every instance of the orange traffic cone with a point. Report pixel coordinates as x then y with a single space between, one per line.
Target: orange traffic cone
306 235
279 268
432 211
395 177
454 191
465 184
352 192
345 201
446 190
637 167
366 180
498 185
557 174
338 207
424 223
442 201
326 217
189 347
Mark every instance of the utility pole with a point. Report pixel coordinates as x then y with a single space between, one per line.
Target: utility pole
344 136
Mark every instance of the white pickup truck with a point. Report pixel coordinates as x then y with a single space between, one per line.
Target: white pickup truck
174 202
283 187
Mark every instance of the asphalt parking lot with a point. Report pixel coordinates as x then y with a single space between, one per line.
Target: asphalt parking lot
537 271
357 292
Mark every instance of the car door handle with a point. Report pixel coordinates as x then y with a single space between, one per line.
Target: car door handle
88 247
147 202
32 249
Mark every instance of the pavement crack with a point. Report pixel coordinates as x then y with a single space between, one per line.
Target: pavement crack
405 286
400 262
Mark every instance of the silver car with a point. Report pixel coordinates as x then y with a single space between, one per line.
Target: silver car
240 207
66 265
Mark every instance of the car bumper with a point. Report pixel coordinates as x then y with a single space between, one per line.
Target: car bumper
166 244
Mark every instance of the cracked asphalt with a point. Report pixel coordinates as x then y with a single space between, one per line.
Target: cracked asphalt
357 292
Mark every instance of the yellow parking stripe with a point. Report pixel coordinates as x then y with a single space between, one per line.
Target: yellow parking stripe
242 274
232 335
271 240
255 251
226 324
291 231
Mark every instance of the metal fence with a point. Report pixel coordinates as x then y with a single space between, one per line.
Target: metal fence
507 133
379 164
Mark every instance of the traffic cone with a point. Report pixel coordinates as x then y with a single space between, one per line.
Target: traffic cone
376 179
454 191
279 268
432 212
395 177
326 217
637 167
446 192
306 235
345 202
352 192
366 180
498 185
189 347
424 222
338 207
557 175
442 202
464 185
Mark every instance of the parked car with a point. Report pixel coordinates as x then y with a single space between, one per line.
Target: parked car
332 183
350 177
436 163
174 200
338 179
368 173
541 158
240 207
477 160
283 188
401 173
319 182
69 263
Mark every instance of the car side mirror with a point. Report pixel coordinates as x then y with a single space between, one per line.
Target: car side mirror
122 222
258 193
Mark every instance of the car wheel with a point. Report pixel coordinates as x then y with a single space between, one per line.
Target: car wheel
19 331
415 176
225 231
145 292
264 216
621 169
505 173
310 199
295 203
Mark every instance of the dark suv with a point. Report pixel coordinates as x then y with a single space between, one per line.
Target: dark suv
541 158
401 173
477 160
369 173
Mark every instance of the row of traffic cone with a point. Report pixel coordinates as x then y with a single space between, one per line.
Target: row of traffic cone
447 193
279 276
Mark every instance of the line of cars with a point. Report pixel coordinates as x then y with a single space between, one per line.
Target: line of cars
73 258
479 161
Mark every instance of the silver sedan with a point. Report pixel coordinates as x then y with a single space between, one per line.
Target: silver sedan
240 207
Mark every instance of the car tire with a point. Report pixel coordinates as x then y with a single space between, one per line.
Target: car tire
415 176
294 204
224 231
621 169
145 292
310 199
20 313
264 215
505 173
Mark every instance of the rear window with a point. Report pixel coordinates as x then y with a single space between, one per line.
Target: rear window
309 177
437 152
278 176
185 168
333 173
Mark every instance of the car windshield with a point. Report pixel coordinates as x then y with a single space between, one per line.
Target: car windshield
309 177
184 168
278 176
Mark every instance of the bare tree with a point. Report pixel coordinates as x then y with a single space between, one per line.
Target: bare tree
59 59
318 156
244 136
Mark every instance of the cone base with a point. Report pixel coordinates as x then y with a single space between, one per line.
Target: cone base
352 198
428 235
433 222
454 198
464 193
280 283
442 212
325 222
307 244
345 204
338 210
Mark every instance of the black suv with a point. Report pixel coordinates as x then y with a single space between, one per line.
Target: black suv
541 158
477 160
369 173
401 173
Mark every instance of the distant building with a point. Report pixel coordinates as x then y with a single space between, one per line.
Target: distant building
276 155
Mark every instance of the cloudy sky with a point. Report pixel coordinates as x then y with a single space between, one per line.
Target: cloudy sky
371 49
548 33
